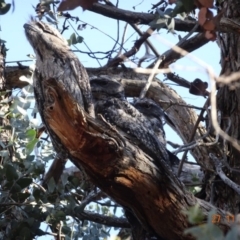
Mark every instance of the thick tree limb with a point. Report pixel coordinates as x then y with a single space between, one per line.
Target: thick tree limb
225 25
98 218
123 174
189 45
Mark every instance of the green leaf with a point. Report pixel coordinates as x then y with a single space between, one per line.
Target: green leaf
74 40
80 39
4 153
25 233
179 8
60 215
206 232
195 214
31 134
233 233
188 5
74 180
51 185
11 172
40 232
24 182
37 194
171 24
30 146
4 8
158 23
64 178
168 12
20 197
15 189
66 230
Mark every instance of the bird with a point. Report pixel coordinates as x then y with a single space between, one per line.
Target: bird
110 102
55 60
155 114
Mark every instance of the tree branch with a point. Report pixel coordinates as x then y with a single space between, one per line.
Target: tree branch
225 25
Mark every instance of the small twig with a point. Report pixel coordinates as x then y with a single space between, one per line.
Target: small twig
92 195
197 142
150 78
154 50
157 4
83 42
39 186
19 61
60 230
192 136
116 42
216 126
149 71
218 165
123 39
188 34
181 105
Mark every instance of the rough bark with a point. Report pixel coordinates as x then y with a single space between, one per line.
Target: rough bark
127 174
228 104
5 134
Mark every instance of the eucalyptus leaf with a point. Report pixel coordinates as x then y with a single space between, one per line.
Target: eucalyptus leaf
51 185
4 8
171 24
30 146
158 23
11 172
179 8
168 12
31 134
25 233
22 111
188 5
20 197
24 182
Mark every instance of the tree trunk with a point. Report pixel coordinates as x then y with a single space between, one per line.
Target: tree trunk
228 105
127 174
5 134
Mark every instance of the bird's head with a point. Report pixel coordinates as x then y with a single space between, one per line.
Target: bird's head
148 107
103 88
44 38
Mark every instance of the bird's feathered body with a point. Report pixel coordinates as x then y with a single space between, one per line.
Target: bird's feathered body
54 59
154 114
120 113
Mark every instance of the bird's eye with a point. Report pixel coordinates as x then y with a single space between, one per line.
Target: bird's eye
40 25
44 28
100 82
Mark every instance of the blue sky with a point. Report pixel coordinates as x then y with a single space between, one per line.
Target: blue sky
12 31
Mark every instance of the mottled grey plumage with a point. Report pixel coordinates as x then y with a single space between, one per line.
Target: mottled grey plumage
119 112
104 88
54 59
154 113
